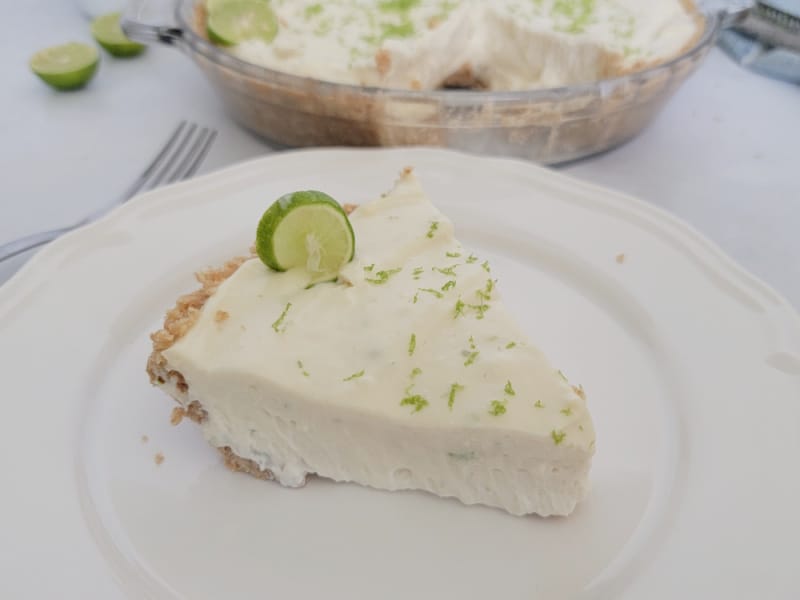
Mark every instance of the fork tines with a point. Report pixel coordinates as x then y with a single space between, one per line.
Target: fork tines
180 157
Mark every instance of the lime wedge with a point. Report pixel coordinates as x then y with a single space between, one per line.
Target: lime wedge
109 35
238 20
65 67
308 230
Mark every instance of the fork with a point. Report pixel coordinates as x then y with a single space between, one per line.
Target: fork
178 159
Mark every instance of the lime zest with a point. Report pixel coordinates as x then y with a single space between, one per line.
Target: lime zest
412 376
451 396
369 268
538 404
412 344
510 345
279 321
354 376
302 368
480 309
472 259
417 272
484 296
417 401
471 357
449 271
459 309
485 266
313 9
497 408
397 5
382 277
432 291
509 390
397 31
432 229
449 285
453 254
558 436
472 353
566 411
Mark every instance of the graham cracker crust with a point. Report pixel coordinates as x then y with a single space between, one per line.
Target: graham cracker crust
244 465
177 322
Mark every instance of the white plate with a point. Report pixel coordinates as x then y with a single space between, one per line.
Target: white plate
691 365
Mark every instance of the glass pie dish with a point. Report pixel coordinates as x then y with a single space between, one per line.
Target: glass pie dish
549 126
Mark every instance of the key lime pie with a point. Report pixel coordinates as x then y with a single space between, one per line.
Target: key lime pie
429 44
374 349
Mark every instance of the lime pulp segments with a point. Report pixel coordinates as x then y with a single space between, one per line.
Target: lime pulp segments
66 67
235 21
108 33
306 229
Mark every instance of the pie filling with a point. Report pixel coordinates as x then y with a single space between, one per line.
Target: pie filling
407 372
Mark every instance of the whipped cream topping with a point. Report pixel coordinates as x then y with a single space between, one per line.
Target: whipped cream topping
502 44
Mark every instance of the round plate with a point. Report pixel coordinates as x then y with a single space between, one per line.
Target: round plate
692 369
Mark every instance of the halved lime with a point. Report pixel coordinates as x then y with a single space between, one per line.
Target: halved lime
230 23
306 229
66 67
109 35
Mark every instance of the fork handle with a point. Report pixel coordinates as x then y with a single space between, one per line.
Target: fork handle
29 242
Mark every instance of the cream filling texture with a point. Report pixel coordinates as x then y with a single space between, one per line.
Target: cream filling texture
508 44
407 373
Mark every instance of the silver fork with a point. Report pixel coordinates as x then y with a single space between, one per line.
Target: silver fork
178 159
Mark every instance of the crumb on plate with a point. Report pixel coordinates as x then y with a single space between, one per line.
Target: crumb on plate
177 415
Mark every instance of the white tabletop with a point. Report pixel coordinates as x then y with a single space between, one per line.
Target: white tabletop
723 155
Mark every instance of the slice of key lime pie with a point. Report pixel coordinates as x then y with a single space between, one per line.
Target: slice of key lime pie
382 355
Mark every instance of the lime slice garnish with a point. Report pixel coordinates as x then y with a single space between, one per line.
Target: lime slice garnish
66 67
214 5
109 35
308 230
238 20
